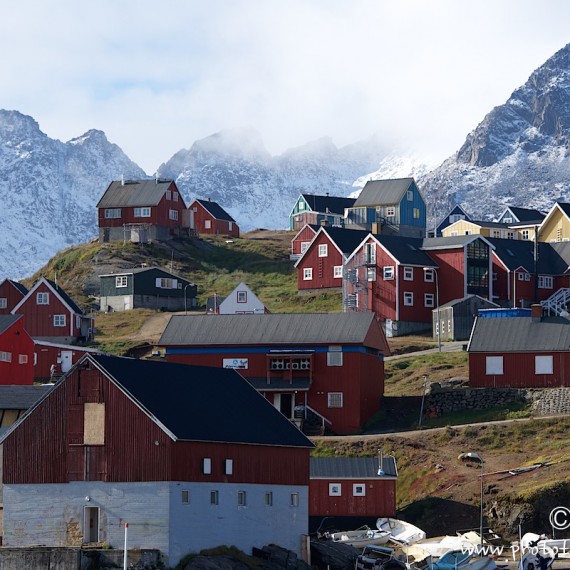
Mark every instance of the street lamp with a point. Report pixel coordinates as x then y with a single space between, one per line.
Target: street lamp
433 271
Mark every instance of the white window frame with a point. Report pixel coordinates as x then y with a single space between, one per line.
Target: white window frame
207 224
207 465
229 466
335 400
408 273
143 212
494 366
323 250
335 490
370 274
241 297
410 195
520 276
429 300
525 234
391 212
5 356
305 246
175 196
370 253
337 272
545 282
42 298
168 195
359 490
301 206
111 213
307 273
3 302
22 359
429 275
388 273
416 213
173 214
408 299
121 281
59 320
544 364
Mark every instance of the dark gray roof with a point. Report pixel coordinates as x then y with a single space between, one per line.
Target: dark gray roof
21 397
553 258
487 224
331 204
407 250
565 207
278 329
466 299
380 192
134 193
520 334
65 297
137 270
280 384
527 215
21 288
450 242
6 321
216 210
345 239
201 403
351 467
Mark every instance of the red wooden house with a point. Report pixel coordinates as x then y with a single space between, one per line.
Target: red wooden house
520 352
51 314
321 265
328 367
210 218
352 490
52 360
190 457
303 238
11 293
141 211
16 351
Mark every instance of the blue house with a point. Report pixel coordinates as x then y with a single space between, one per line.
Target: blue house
457 213
391 207
320 210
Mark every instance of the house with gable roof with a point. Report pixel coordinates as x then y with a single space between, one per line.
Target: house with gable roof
51 314
556 225
210 218
302 240
327 367
16 351
241 301
190 457
480 227
11 293
142 211
319 210
456 214
524 220
390 207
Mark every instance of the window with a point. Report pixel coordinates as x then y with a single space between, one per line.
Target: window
494 365
408 299
229 466
527 276
508 220
455 218
388 273
301 205
175 196
525 234
337 271
410 195
294 500
323 250
369 253
121 281
305 246
241 499
3 302
59 320
496 233
112 213
23 359
468 232
167 283
230 226
494 275
390 212
142 212
42 299
207 466
543 365
453 233
335 400
5 356
214 498
335 489
268 499
207 224
545 282
408 273
416 213
358 490
168 195
510 235
307 273
185 497
334 356
429 275
173 214
371 274
428 300
242 296
520 276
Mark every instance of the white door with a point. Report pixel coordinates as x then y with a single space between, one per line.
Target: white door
91 523
66 360
127 303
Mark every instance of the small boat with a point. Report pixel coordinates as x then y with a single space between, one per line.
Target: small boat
401 532
438 546
560 546
539 558
452 560
360 537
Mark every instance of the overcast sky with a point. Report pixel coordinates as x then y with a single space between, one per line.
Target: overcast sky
156 76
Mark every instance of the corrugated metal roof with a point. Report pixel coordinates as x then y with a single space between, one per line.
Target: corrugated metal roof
345 239
216 210
406 250
466 299
380 192
21 397
134 193
326 328
6 321
520 334
201 403
331 204
351 467
553 258
451 242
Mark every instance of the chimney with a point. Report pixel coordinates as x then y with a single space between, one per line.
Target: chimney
536 313
122 179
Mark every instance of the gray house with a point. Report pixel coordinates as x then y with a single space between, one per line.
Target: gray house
457 317
146 287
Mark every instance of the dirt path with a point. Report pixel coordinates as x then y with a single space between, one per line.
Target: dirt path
154 326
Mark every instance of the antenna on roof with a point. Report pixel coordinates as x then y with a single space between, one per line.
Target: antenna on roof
122 179
55 278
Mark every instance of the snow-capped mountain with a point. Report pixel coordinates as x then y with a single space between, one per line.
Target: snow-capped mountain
517 156
48 190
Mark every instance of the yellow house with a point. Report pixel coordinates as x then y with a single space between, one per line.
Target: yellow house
556 225
487 229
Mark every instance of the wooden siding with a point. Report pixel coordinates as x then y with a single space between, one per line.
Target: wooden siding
305 235
144 283
557 228
406 209
297 210
417 312
323 267
16 341
47 355
12 296
519 371
451 273
201 215
379 501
